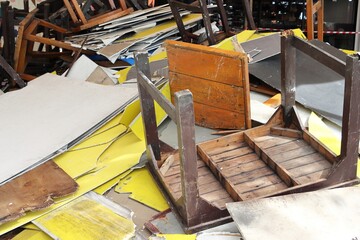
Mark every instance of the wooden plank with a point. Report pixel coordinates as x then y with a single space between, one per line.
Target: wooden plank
311 168
272 141
206 63
300 216
304 160
221 142
264 191
211 117
239 165
286 132
233 154
286 147
312 177
219 95
258 183
231 146
34 190
296 153
251 174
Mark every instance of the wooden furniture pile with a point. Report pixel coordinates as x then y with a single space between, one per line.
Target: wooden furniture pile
280 157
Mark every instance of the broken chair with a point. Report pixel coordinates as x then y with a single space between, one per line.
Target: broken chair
78 11
280 157
311 10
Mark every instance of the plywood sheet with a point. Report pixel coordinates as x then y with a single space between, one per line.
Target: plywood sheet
51 114
34 190
218 80
327 214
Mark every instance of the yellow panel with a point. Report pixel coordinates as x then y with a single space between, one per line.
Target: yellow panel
178 236
137 126
259 35
123 74
108 185
299 33
322 132
86 153
30 234
30 226
131 112
143 188
123 154
241 37
86 219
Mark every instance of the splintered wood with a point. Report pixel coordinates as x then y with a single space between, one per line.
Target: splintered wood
34 190
218 80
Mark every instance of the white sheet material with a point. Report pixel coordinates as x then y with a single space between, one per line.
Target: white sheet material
47 115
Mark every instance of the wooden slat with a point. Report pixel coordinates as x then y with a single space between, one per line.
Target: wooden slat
250 175
259 183
211 117
272 141
219 95
221 142
304 160
286 132
264 191
286 147
241 165
295 153
233 154
311 168
313 176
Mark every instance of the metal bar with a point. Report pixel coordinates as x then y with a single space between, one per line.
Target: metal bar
147 105
288 77
320 55
187 151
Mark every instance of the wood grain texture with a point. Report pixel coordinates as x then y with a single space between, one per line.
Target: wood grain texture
218 80
34 190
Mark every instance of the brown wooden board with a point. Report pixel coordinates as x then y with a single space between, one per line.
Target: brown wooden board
218 80
34 190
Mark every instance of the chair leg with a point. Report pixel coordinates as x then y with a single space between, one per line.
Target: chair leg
207 22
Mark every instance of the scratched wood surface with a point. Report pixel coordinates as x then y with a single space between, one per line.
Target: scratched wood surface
218 80
34 190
